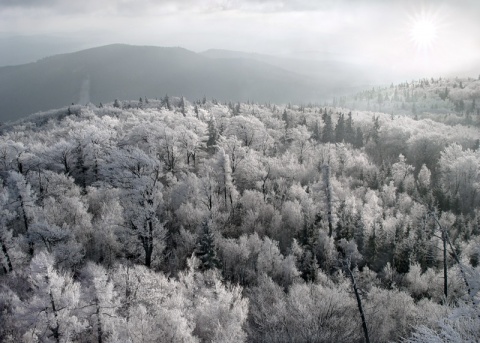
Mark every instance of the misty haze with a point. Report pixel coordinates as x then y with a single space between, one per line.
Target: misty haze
239 171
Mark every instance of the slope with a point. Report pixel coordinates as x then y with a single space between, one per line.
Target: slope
121 71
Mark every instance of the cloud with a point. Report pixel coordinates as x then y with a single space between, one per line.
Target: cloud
193 5
138 7
374 30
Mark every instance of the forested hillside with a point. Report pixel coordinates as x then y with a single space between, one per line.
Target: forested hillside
103 73
448 100
178 221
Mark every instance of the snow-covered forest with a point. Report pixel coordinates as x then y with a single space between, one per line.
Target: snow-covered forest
452 101
198 221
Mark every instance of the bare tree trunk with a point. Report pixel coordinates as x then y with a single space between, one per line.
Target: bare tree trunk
146 238
455 256
328 194
445 271
462 271
55 330
26 224
148 245
7 257
359 304
99 323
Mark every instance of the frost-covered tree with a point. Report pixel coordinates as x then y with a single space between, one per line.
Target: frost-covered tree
402 174
7 241
23 203
218 311
460 177
139 176
100 304
50 312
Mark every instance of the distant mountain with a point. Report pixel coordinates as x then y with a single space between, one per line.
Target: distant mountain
129 72
326 69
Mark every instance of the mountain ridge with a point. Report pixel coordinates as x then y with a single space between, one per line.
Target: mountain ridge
126 71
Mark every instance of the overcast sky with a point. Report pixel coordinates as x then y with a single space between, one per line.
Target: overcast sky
375 32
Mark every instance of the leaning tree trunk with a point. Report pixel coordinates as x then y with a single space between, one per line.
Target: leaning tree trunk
99 322
7 257
26 224
445 271
359 304
147 242
328 194
56 329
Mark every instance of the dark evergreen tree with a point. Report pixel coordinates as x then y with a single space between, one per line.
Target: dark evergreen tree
182 106
327 134
358 143
166 102
317 132
401 257
459 106
212 133
375 135
308 263
309 266
196 110
359 234
205 249
236 111
370 251
345 227
443 95
349 129
285 118
80 169
340 129
324 114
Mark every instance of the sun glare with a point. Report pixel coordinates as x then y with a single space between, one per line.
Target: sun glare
423 31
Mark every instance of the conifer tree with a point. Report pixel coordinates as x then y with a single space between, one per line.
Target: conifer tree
358 143
196 110
205 249
349 129
285 118
166 102
5 234
340 129
182 106
376 130
371 248
317 132
212 134
327 134
308 261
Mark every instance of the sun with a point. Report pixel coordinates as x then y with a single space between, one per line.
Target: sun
423 33
423 30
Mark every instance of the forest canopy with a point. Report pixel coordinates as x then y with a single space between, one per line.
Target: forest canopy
176 221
